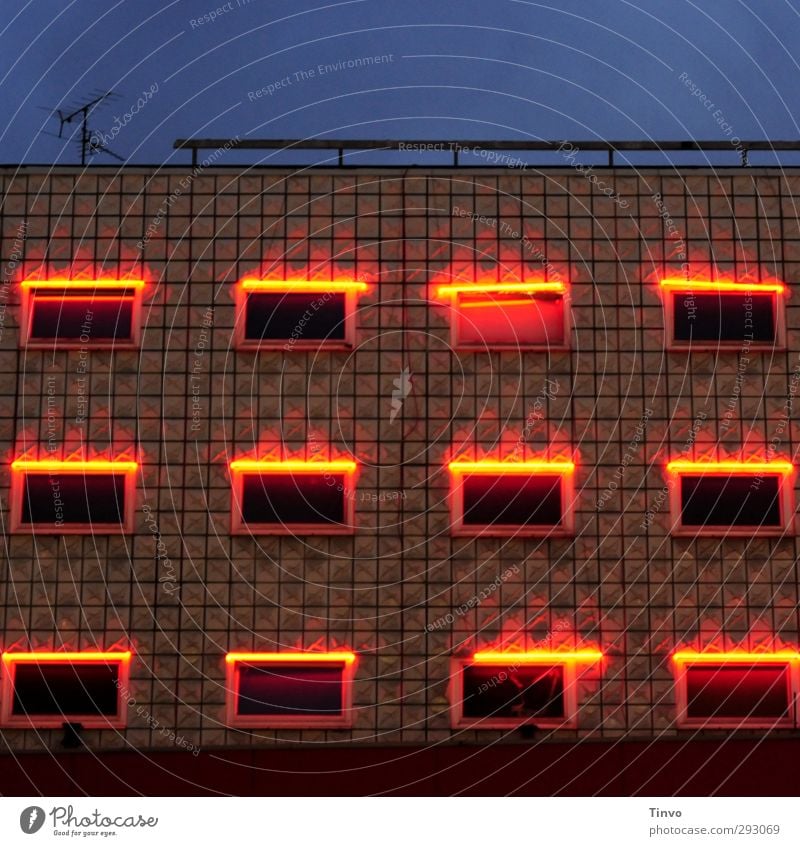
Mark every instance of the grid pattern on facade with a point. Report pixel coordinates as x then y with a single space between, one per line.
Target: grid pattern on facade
403 594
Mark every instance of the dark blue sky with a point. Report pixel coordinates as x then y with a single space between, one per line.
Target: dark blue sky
459 69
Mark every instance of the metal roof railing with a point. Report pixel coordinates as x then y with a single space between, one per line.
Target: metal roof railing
492 152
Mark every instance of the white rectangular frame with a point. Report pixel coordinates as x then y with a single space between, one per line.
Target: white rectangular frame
240 527
90 721
456 304
456 697
785 507
278 721
243 344
17 495
128 290
566 527
682 693
723 346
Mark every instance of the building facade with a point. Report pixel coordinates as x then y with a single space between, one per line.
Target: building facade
419 273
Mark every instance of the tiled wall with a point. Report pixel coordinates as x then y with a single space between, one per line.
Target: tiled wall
618 403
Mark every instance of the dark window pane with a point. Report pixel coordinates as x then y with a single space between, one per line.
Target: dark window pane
82 319
724 317
72 498
302 498
290 690
724 691
730 501
303 317
512 500
68 689
513 692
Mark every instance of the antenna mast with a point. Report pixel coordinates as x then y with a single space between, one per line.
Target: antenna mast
89 143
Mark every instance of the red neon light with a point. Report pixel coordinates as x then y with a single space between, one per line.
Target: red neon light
136 284
291 657
245 465
95 466
745 468
287 286
687 656
678 284
521 467
582 656
502 288
87 298
60 657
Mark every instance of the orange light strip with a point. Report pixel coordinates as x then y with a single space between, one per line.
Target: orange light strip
746 468
96 466
678 284
291 657
688 657
587 656
522 467
502 288
88 298
246 465
40 657
138 284
289 286
495 303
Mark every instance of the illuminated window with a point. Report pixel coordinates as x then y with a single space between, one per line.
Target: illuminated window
290 690
296 315
506 498
77 314
73 497
532 316
292 497
46 690
508 690
735 690
705 315
731 498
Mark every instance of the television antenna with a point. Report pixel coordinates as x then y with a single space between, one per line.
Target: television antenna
90 142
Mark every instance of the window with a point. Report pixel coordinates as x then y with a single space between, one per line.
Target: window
296 315
733 690
706 315
504 498
731 498
508 690
289 497
517 316
73 497
46 690
290 690
80 313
